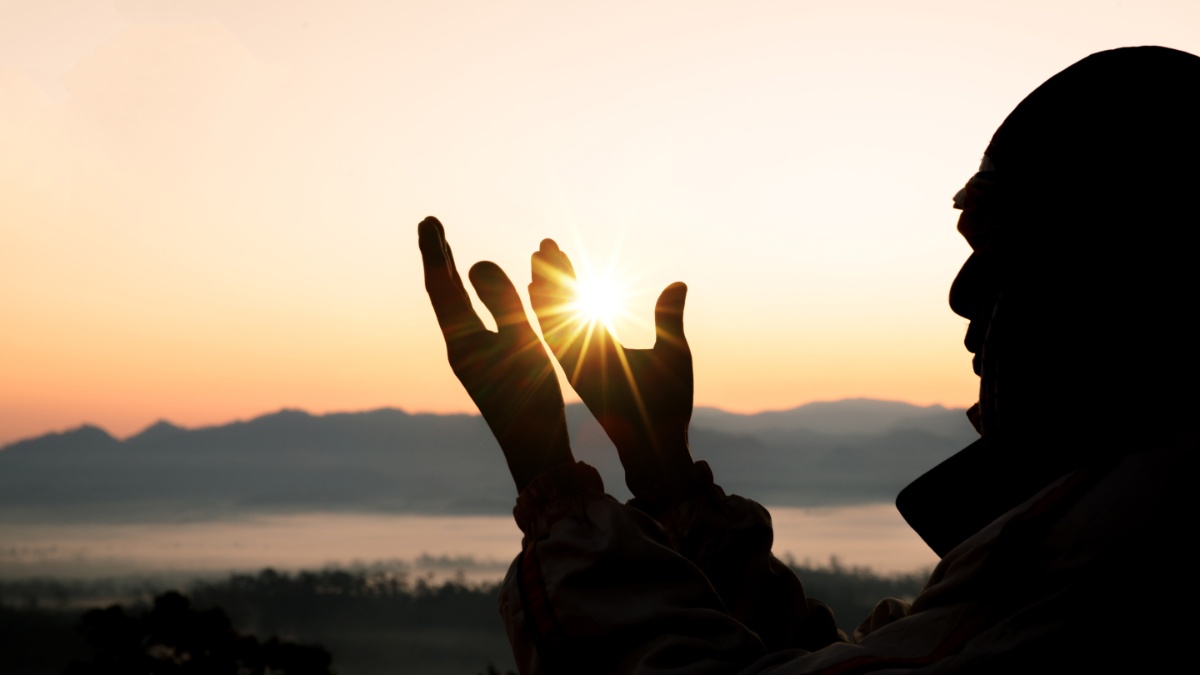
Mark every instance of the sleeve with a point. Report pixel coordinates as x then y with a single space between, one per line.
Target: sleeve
729 538
598 588
602 587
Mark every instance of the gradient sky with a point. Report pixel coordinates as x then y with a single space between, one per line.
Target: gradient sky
208 209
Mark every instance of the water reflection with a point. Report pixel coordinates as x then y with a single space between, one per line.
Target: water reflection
871 535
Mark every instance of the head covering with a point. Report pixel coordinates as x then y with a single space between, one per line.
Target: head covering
1136 104
1116 134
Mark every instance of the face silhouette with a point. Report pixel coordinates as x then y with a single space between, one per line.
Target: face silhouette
975 293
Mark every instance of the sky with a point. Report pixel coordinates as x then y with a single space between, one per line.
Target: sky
208 210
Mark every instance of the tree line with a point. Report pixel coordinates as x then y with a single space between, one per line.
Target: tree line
354 622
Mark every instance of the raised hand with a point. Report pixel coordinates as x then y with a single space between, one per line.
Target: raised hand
642 397
507 373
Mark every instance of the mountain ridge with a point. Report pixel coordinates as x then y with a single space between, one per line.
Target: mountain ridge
805 411
391 461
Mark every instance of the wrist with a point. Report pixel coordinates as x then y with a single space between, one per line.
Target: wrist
554 490
683 485
531 455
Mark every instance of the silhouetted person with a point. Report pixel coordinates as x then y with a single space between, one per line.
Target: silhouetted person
1063 531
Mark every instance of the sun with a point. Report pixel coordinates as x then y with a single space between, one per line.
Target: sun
598 301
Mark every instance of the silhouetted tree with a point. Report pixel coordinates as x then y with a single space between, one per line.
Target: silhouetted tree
175 639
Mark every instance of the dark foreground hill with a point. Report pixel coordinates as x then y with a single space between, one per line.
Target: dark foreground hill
853 451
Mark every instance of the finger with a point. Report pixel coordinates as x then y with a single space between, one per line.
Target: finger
668 316
499 296
553 274
449 297
552 290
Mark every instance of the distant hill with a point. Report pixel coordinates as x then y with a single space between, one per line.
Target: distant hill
821 454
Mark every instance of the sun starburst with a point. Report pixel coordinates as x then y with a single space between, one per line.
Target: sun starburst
598 300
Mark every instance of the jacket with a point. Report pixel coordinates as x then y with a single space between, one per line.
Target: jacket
1083 574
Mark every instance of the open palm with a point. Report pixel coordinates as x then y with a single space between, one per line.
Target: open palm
507 373
641 397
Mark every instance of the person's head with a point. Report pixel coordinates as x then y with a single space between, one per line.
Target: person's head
1084 221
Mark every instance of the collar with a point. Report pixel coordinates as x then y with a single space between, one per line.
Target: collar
978 484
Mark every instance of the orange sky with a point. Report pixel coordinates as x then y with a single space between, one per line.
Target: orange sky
208 209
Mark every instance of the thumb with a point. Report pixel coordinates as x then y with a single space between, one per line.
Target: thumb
498 295
668 315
